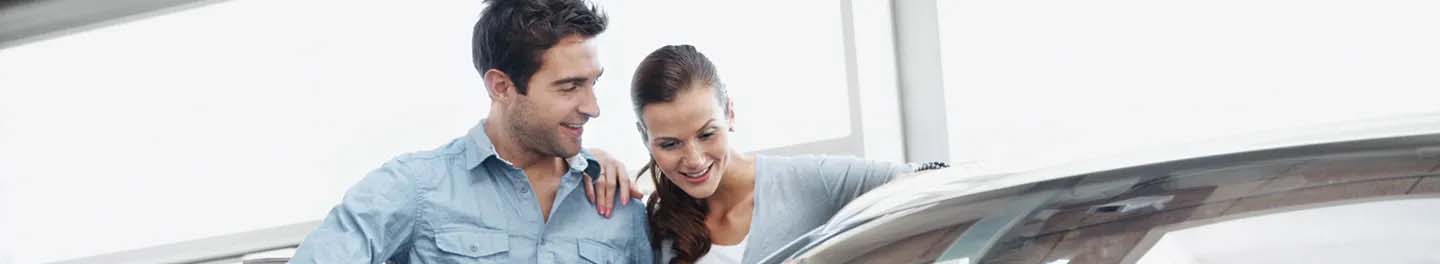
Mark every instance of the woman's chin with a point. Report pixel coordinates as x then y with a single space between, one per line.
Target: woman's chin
700 191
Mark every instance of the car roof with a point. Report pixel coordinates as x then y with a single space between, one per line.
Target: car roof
961 185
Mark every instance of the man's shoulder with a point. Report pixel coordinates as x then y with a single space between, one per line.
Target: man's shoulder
633 217
635 210
453 150
428 165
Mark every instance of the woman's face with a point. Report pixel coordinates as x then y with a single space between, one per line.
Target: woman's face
688 138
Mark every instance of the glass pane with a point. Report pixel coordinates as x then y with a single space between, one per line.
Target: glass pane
1040 82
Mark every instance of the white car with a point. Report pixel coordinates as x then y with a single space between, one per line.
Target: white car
1364 192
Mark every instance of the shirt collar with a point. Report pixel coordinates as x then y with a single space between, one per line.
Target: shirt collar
484 149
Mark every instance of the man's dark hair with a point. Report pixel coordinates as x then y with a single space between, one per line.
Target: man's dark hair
512 35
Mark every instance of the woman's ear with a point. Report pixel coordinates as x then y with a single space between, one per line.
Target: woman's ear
730 112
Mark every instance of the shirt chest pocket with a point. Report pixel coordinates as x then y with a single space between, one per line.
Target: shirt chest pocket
473 246
592 251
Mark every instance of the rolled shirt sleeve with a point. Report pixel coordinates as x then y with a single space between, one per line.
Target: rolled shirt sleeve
373 222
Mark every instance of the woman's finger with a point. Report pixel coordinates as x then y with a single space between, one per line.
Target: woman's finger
625 185
605 194
589 190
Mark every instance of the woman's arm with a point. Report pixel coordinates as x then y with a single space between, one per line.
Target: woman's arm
847 177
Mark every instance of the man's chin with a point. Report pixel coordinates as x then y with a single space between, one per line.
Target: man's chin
569 151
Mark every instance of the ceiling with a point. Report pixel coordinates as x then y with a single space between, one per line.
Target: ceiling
25 21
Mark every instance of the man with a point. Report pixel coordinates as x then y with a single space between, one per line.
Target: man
506 191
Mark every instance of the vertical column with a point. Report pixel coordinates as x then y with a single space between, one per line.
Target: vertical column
922 91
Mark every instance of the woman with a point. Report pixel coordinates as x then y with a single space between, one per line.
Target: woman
713 204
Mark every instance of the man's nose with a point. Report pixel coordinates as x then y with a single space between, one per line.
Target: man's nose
588 106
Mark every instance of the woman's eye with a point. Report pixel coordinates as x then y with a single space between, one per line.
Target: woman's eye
706 136
667 145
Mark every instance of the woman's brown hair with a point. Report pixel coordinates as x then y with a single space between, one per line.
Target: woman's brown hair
673 214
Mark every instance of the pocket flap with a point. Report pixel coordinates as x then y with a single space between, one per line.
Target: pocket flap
473 244
595 251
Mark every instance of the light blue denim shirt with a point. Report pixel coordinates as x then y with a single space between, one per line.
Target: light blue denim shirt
462 203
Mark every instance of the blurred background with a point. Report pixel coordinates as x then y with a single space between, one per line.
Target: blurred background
132 127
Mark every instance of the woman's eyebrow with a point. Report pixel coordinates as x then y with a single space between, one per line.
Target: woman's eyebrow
701 130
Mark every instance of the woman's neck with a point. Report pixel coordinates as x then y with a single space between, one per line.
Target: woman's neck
738 184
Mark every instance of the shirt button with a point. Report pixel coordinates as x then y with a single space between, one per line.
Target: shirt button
524 190
474 248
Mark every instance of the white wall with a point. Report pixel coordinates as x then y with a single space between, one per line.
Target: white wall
1040 82
249 114
224 118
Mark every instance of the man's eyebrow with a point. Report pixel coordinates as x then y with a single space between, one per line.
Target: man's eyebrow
706 125
577 79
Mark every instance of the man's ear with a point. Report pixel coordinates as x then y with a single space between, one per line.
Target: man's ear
498 85
730 112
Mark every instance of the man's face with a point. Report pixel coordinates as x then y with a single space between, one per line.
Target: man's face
561 98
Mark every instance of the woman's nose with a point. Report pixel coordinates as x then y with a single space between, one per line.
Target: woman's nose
694 158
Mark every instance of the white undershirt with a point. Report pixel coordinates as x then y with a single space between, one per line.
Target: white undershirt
724 254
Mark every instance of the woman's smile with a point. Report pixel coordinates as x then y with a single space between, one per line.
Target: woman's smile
700 176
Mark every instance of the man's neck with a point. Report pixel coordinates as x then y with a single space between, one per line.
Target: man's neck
509 149
544 172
